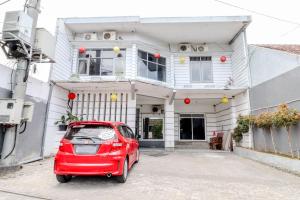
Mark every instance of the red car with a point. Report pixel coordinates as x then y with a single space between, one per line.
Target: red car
96 148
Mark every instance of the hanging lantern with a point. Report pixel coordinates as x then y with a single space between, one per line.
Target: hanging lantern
117 50
223 58
187 101
181 59
71 96
82 50
157 55
113 97
224 100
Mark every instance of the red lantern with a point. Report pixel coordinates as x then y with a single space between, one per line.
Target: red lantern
157 55
71 96
82 50
187 101
223 58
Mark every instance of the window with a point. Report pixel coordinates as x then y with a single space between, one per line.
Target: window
126 132
152 128
151 67
201 69
102 62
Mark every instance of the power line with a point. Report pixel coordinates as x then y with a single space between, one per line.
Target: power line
258 13
4 2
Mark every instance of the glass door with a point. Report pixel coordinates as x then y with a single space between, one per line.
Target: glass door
192 127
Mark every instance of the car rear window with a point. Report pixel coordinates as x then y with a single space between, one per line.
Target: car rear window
102 132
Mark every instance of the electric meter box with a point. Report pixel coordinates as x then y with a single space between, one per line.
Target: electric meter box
17 23
11 111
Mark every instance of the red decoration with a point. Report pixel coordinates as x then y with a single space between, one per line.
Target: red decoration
187 101
82 50
223 58
71 96
156 55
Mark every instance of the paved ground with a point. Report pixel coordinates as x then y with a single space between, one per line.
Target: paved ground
178 175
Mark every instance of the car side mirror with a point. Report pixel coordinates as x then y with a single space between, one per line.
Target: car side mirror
138 136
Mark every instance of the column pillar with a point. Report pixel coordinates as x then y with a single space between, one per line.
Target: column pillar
169 135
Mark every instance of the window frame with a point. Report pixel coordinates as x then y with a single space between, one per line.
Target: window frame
88 61
211 67
156 62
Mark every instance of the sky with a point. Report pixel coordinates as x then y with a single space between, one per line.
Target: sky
283 28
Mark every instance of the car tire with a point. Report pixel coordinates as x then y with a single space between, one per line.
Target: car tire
123 177
63 178
137 156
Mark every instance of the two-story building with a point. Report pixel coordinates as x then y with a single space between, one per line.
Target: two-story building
169 79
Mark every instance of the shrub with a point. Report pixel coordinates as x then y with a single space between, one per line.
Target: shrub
243 123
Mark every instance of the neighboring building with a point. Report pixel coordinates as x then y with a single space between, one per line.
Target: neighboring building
150 90
275 79
31 141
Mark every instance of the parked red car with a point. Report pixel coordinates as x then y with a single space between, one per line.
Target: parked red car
96 148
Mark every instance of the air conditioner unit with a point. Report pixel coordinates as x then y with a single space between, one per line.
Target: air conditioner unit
109 35
185 47
157 109
202 48
90 36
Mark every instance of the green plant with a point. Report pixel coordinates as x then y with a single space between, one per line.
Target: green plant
65 119
243 123
265 121
286 117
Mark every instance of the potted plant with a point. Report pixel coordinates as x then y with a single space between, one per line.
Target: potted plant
65 120
242 127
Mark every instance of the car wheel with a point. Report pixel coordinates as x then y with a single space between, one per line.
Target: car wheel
63 178
137 156
123 177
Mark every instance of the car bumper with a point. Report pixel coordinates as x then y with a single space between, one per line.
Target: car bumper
88 165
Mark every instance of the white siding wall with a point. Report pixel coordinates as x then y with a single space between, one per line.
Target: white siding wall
221 72
57 108
227 114
195 108
62 68
240 69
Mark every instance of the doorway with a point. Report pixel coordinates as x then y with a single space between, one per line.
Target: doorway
192 127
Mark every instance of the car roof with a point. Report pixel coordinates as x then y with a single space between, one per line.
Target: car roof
94 122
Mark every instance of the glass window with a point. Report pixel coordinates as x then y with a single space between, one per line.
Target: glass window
152 128
82 66
201 69
104 62
151 67
92 132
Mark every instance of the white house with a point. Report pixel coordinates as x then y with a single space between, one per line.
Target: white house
157 66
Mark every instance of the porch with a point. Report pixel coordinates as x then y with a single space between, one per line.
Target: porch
158 114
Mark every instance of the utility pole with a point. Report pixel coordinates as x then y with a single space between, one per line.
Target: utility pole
11 144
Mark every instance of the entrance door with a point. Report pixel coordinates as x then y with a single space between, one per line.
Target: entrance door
192 127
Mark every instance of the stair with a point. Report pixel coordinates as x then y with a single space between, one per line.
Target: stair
191 145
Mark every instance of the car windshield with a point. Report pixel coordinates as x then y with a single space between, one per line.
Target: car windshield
93 132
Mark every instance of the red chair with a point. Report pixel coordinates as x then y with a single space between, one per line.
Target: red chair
216 142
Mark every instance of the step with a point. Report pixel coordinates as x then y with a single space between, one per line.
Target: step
191 145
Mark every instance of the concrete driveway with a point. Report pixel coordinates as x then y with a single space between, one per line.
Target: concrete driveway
159 175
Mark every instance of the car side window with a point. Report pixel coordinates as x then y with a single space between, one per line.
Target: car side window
130 132
123 131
